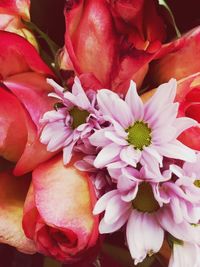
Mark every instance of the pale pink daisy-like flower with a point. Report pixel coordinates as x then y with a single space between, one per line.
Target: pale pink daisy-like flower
101 179
151 204
75 119
140 132
185 255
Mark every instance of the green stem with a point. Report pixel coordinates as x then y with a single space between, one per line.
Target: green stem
51 44
163 3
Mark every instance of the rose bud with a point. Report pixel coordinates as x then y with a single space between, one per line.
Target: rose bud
112 40
177 59
13 193
24 100
58 212
11 14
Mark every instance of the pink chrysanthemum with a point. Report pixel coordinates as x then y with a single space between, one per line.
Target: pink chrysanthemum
150 204
72 122
140 132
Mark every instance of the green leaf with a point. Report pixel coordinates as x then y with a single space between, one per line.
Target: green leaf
163 3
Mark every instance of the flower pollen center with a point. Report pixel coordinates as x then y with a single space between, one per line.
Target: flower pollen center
145 200
197 183
78 116
139 135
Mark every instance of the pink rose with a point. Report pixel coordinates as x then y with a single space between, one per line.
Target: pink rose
58 212
111 41
24 100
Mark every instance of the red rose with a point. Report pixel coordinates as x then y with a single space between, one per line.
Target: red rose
112 41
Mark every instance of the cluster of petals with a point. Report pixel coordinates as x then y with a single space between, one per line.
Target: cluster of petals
127 144
100 178
58 132
172 206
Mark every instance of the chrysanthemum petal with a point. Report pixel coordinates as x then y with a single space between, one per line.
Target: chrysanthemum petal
107 155
134 102
67 153
114 138
130 155
190 168
58 89
151 151
178 171
164 95
110 228
159 118
78 96
128 188
103 202
163 135
184 255
183 123
98 138
183 231
177 150
112 105
115 209
144 235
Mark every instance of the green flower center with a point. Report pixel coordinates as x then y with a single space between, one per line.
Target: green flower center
79 116
139 135
145 200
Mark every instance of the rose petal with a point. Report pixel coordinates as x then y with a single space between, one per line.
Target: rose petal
32 90
13 193
23 56
13 133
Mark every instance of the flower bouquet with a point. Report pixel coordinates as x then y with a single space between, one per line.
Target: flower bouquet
100 136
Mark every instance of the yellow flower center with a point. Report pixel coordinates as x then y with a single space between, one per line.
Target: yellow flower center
197 183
